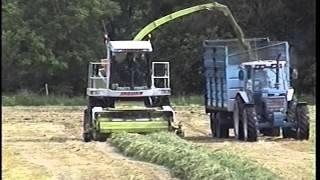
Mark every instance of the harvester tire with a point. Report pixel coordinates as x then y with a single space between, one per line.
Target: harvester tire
179 133
302 116
249 124
87 133
87 137
97 136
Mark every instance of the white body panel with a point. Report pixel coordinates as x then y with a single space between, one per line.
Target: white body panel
129 93
122 46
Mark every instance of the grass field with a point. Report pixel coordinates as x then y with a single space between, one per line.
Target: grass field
30 99
45 142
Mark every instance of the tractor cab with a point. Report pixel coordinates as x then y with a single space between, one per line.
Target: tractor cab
266 81
265 77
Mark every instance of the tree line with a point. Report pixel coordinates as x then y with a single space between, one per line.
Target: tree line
52 41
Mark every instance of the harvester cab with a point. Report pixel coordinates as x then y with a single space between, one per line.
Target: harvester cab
127 91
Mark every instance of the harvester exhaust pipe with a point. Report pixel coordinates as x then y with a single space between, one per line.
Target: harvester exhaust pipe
277 71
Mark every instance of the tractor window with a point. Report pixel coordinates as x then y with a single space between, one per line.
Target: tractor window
261 79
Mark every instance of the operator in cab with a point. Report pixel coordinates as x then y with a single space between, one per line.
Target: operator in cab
103 68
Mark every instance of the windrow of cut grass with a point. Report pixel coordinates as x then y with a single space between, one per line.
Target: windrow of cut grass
188 161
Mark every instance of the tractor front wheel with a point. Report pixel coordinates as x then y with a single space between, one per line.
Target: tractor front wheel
249 124
288 132
299 114
302 115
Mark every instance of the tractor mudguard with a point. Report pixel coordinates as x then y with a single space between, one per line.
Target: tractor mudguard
244 97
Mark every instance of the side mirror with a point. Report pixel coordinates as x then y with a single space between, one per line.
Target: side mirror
294 73
241 75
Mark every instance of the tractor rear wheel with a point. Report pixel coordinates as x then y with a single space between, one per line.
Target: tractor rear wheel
87 133
249 124
302 116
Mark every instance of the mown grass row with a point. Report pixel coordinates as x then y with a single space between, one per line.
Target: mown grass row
187 161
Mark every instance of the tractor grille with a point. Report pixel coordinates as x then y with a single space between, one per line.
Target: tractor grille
276 104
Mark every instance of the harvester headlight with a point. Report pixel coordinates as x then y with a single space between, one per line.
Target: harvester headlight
165 91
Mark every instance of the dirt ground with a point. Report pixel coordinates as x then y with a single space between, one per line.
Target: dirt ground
45 143
289 158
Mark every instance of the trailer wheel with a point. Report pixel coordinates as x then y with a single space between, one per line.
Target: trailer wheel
249 124
213 125
238 118
222 129
87 134
302 117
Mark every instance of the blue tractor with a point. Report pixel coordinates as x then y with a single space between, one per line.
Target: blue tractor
250 91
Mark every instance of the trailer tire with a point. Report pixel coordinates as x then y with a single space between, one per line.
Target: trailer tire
213 125
249 124
218 129
222 128
302 117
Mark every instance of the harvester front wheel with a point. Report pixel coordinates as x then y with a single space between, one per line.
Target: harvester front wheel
302 116
97 136
87 133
